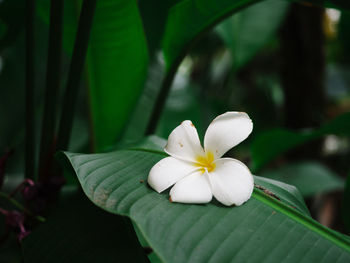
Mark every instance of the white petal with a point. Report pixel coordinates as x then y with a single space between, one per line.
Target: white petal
183 142
226 131
193 189
231 182
167 172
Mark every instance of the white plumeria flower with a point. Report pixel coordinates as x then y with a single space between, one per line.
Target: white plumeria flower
199 173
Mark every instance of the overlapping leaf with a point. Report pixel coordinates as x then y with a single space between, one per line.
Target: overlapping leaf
117 63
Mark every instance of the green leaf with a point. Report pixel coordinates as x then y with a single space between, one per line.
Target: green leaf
71 12
270 144
117 67
150 143
264 229
285 192
310 178
239 31
117 62
136 127
187 20
154 21
78 231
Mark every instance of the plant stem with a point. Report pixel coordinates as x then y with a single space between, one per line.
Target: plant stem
53 75
75 72
20 207
30 83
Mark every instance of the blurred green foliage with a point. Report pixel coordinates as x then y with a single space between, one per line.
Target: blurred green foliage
199 59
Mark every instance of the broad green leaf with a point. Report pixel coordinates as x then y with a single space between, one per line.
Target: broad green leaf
285 192
187 20
150 143
264 229
270 144
78 231
310 178
117 63
240 31
117 67
153 20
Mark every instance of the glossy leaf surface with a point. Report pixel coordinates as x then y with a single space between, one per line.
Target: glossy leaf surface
262 230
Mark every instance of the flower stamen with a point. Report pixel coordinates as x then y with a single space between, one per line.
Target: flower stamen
206 162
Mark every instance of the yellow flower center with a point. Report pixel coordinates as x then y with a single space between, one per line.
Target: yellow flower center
206 162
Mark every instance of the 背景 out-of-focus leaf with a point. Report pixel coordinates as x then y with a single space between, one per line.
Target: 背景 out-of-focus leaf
188 19
77 231
117 67
309 177
11 21
136 127
240 31
268 227
270 144
117 62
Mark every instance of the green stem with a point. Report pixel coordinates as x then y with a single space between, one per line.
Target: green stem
20 207
75 72
53 75
171 72
30 83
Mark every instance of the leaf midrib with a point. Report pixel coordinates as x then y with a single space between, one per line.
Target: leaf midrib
283 208
308 222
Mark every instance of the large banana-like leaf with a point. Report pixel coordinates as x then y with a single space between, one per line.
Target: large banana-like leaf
117 63
188 19
117 67
264 229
